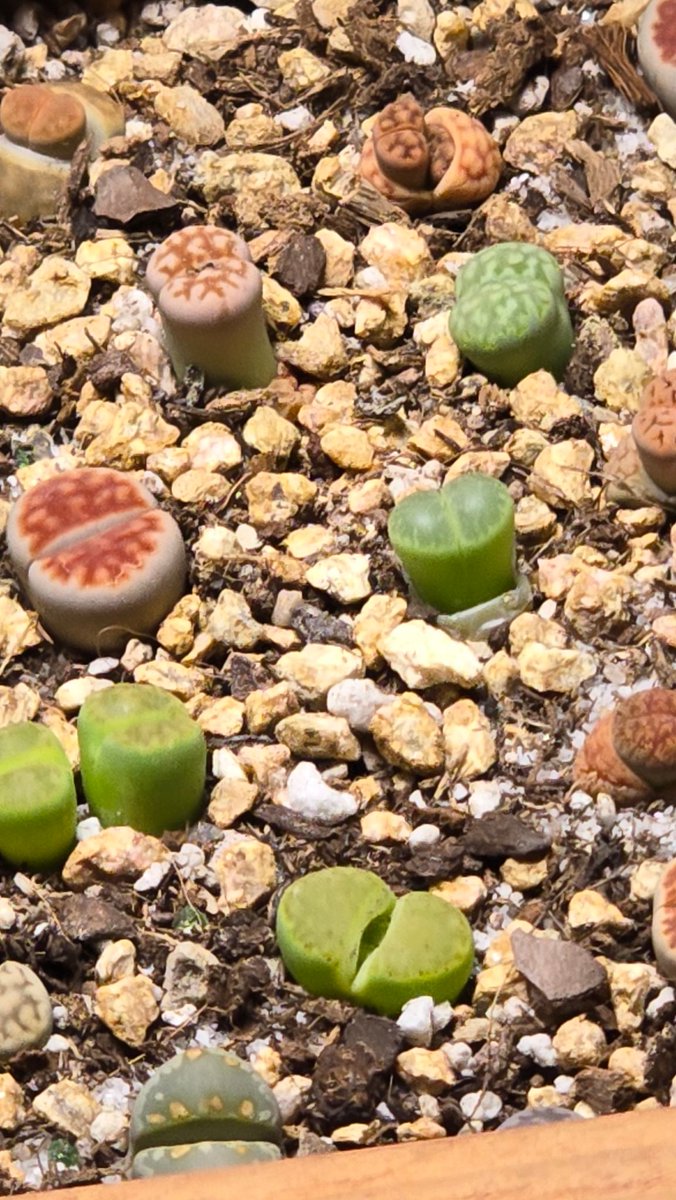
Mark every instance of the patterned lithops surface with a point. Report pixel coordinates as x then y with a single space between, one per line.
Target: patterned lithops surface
25 1010
198 1156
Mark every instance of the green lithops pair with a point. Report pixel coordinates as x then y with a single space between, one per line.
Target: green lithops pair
203 1108
457 546
511 317
143 763
342 933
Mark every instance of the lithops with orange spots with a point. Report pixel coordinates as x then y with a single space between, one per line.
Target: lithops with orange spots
443 159
203 1107
209 294
41 126
631 752
98 559
664 922
654 431
657 50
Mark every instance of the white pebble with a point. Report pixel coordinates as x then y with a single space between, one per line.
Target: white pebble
480 1106
459 1054
415 50
538 1046
424 835
7 914
484 799
664 997
308 795
416 1020
152 877
357 700
295 118
563 1084
87 828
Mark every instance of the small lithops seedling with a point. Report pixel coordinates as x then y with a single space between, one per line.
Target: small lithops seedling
197 1102
457 546
664 922
97 557
510 317
41 126
443 159
25 1010
37 797
341 932
142 758
657 50
209 294
631 752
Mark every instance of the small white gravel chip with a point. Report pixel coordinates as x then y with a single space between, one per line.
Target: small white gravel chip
87 828
424 835
415 50
308 795
480 1106
7 914
108 1126
57 1044
484 799
666 996
538 1046
459 1054
357 700
152 877
417 1020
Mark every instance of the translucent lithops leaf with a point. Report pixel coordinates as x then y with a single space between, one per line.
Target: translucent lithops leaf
199 1156
37 797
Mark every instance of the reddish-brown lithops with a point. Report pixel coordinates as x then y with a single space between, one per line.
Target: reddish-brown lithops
631 752
98 558
654 431
657 50
443 159
664 922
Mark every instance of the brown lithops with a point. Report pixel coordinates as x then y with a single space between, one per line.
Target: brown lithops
443 159
654 431
657 50
631 752
664 922
98 558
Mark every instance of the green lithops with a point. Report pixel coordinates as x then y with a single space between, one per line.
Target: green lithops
342 932
200 1156
142 757
37 797
511 317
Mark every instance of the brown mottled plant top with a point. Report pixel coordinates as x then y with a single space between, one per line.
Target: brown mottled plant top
25 1010
44 120
442 159
631 752
654 431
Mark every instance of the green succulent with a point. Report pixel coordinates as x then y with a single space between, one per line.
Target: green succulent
511 317
200 1156
342 932
142 757
37 797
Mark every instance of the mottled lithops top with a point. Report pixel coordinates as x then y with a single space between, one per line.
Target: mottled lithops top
25 1010
204 1095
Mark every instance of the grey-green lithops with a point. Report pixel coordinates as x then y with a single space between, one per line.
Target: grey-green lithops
202 1097
200 1156
25 1010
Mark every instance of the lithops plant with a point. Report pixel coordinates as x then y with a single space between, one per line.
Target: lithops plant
443 159
142 758
342 933
25 1010
209 294
458 549
41 126
510 317
657 50
203 1108
654 431
97 557
631 751
37 797
664 922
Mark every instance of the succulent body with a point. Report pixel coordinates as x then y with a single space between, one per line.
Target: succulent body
203 1108
511 318
41 126
97 557
631 752
209 294
657 50
142 757
37 797
664 922
25 1010
443 159
342 933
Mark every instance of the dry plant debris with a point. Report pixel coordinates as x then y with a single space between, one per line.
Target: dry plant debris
344 727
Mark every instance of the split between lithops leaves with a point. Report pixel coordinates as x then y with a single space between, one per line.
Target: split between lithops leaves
511 317
342 933
209 294
41 126
203 1108
631 751
656 47
142 758
443 159
97 557
457 546
37 798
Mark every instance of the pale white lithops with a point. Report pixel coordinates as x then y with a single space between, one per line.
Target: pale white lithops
99 560
209 294
657 50
664 922
25 1010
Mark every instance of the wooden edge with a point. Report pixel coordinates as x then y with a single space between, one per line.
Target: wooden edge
629 1156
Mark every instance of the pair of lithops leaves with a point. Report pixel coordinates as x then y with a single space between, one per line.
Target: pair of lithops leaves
657 50
458 548
343 933
142 763
42 125
510 316
203 1108
442 159
643 467
209 295
99 560
630 753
